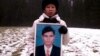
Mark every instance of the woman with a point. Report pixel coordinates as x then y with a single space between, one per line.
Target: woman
49 15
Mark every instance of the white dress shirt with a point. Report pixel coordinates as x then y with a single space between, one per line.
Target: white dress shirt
50 49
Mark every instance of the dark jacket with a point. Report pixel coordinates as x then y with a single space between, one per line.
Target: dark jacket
41 52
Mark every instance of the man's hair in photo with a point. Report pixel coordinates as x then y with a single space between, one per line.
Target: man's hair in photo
47 29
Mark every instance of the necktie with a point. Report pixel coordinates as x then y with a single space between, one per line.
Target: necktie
47 52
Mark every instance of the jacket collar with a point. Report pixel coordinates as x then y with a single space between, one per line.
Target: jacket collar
41 18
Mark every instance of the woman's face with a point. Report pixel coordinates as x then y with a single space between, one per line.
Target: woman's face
50 10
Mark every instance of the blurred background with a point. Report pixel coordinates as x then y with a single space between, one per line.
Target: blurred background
76 13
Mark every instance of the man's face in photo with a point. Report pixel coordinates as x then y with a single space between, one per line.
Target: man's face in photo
48 38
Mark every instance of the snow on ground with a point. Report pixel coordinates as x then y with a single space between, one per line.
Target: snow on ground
83 41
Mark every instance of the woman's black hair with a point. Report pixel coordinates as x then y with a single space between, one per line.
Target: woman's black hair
46 2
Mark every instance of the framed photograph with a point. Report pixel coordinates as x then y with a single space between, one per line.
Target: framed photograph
48 40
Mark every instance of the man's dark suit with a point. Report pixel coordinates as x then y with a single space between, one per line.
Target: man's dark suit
54 52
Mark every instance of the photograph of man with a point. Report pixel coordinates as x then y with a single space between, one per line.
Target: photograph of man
48 48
